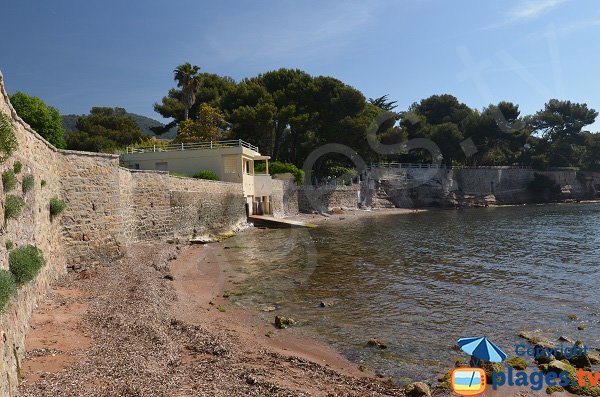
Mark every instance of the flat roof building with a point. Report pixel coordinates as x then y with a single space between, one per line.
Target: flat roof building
232 161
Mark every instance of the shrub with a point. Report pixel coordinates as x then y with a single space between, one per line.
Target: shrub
277 167
544 186
56 206
13 205
8 140
8 288
25 263
28 183
43 183
17 167
8 244
206 174
9 180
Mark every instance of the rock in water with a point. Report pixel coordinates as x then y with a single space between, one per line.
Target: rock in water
374 342
417 389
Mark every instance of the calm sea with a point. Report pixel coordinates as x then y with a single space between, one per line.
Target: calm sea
421 281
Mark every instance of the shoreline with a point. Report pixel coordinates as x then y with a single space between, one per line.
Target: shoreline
156 323
193 281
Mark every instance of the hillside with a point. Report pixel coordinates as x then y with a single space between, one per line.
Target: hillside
69 122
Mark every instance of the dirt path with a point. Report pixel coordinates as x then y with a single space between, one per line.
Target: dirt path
144 326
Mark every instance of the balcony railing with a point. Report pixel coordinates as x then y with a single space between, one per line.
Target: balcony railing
191 146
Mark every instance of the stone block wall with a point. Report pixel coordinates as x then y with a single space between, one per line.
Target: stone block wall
284 200
322 198
202 207
107 208
33 226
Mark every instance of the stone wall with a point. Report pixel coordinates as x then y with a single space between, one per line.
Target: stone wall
203 207
323 198
35 227
108 207
284 199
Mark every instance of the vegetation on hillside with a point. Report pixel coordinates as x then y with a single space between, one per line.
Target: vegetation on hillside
146 124
104 130
44 119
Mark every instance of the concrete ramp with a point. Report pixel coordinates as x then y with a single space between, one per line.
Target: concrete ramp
272 222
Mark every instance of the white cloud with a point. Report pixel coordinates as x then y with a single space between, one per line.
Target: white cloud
527 10
290 32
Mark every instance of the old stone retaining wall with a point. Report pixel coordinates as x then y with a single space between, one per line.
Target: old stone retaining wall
108 207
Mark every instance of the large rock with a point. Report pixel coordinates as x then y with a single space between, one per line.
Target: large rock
560 366
417 389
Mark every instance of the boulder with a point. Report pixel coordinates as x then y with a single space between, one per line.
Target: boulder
417 389
283 322
560 366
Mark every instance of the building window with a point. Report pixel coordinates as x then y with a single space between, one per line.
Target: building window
136 166
163 166
229 165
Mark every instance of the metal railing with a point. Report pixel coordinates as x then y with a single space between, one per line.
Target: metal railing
405 165
191 146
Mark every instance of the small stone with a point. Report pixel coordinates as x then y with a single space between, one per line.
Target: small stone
169 277
417 389
269 309
581 327
326 303
564 339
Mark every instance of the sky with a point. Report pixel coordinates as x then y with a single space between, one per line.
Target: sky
78 54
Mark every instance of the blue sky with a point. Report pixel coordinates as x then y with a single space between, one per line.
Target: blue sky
79 54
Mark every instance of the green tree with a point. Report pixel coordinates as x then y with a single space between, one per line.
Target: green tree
44 119
560 129
214 87
188 80
383 103
104 130
209 126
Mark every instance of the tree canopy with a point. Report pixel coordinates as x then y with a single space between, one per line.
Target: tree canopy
104 130
44 119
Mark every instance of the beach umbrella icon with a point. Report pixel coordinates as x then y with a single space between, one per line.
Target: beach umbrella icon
482 348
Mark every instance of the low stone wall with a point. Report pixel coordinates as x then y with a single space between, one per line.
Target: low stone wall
323 198
202 207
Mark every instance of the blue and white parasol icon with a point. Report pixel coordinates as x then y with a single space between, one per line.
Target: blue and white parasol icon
482 348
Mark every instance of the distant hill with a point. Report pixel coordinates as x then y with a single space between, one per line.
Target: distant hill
69 122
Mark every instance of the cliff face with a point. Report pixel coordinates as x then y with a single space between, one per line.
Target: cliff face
409 188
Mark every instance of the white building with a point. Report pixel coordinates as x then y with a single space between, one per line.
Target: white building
232 161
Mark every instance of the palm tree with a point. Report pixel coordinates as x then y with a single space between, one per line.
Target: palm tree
383 103
188 79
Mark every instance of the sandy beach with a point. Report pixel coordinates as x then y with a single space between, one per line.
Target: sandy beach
156 324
